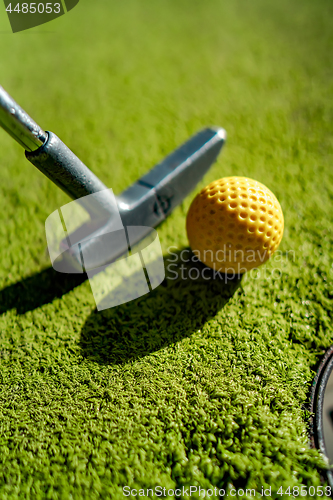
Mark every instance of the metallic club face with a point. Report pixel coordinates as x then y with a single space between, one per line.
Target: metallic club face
143 205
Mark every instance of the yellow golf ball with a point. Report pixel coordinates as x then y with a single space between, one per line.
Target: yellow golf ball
234 224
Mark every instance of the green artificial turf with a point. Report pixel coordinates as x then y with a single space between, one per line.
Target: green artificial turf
200 382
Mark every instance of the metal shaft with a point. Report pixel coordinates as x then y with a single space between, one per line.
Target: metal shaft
55 160
18 123
52 157
143 205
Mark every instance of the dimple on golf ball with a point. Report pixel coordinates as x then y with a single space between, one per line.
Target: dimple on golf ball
234 224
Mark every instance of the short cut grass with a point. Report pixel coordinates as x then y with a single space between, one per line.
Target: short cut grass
201 382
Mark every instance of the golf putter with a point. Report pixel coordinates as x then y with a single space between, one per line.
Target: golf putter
141 207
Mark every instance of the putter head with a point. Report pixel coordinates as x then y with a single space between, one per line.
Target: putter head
123 221
101 239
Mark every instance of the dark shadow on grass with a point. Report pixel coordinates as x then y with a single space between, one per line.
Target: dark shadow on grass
174 310
37 290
